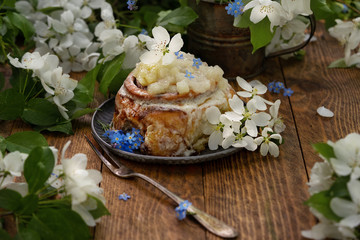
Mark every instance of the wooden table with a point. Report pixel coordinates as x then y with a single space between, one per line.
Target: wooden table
262 197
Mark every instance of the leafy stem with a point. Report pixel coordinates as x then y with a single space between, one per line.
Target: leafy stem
26 80
348 5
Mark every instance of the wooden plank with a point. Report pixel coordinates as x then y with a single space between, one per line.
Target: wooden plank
262 196
316 85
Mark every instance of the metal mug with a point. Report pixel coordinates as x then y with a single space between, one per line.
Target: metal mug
214 39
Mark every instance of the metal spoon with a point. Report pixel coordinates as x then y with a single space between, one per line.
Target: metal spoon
211 223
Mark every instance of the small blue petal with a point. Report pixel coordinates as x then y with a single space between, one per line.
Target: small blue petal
189 75
124 197
288 92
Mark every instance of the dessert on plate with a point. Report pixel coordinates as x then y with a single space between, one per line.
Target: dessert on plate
167 103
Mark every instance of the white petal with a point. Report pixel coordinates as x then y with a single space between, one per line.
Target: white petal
324 112
85 12
176 43
250 143
228 141
273 149
351 221
244 84
150 57
21 188
342 207
168 58
264 149
241 143
261 119
251 128
237 105
257 15
340 167
213 115
84 213
13 163
161 35
244 94
215 140
354 190
233 116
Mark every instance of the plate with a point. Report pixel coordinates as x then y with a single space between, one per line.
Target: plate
104 114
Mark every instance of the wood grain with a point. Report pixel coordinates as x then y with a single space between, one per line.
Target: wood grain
316 85
262 197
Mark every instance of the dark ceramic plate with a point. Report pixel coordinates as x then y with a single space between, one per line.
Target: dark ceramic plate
104 114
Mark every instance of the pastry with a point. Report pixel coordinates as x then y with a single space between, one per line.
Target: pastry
167 104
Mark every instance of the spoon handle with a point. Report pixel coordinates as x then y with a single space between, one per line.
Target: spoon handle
211 223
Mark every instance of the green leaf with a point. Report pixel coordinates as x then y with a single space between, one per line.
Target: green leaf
10 199
4 235
25 141
100 210
28 205
150 18
119 80
11 104
339 63
321 202
2 144
325 150
25 26
65 127
38 167
27 234
181 16
339 188
39 111
261 34
88 82
59 224
82 112
49 10
111 71
2 80
322 11
9 3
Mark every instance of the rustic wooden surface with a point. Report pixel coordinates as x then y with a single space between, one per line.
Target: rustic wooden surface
262 197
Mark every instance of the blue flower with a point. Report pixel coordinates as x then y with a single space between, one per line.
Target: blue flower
125 141
276 89
280 85
189 75
288 92
345 9
182 209
235 8
143 31
271 86
131 5
197 62
124 197
179 55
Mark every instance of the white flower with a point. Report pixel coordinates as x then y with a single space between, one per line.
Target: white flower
86 6
63 89
252 118
134 47
320 177
214 128
79 183
75 31
112 41
13 163
70 59
252 90
239 140
324 112
159 49
30 61
89 57
276 122
296 7
107 16
44 74
266 144
265 8
322 230
27 10
349 211
347 152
